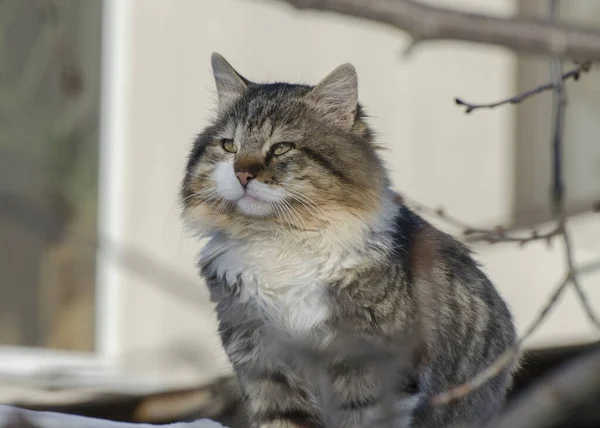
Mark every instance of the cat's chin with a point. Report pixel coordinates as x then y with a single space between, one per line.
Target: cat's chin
254 207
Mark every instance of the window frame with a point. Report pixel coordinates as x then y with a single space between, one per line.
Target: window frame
19 363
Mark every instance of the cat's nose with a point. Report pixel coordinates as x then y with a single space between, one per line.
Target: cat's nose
244 178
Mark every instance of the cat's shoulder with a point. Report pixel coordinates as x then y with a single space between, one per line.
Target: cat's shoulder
422 246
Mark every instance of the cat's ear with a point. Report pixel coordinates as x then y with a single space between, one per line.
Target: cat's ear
337 95
230 84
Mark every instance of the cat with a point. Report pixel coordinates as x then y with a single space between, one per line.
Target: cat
317 268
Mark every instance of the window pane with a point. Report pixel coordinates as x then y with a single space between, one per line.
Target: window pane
49 122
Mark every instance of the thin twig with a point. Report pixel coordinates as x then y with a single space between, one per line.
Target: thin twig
436 212
477 234
558 201
573 74
558 187
425 22
493 236
583 299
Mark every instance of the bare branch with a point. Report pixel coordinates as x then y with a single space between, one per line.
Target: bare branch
573 74
477 234
437 212
500 234
572 271
571 277
558 187
424 22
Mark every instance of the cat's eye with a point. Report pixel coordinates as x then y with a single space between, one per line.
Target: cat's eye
229 145
281 148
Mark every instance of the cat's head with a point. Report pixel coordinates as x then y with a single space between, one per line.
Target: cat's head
283 154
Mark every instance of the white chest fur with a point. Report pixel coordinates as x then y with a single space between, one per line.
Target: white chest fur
285 279
287 276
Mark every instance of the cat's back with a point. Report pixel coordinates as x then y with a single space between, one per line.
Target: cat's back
427 254
467 323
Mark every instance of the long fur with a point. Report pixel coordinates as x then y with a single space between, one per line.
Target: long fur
318 249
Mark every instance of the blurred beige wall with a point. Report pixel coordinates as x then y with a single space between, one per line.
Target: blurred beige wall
438 155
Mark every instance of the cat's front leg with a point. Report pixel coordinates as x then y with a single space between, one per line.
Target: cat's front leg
358 398
275 397
275 400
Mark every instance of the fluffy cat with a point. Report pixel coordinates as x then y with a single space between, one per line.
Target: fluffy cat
318 269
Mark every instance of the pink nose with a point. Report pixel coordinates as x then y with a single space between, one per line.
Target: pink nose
244 178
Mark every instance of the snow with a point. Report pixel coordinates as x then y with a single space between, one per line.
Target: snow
13 417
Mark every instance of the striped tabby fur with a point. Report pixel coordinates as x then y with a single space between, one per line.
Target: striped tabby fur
337 305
